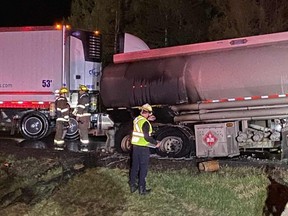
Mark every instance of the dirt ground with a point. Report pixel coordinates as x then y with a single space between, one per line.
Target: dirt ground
277 191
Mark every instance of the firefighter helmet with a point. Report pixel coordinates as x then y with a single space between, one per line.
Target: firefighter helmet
63 90
83 88
147 107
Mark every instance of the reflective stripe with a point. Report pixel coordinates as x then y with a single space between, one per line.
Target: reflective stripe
256 97
137 127
81 106
138 119
64 110
62 119
58 141
84 141
137 134
136 123
84 114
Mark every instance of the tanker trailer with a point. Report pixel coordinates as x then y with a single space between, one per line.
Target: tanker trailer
211 99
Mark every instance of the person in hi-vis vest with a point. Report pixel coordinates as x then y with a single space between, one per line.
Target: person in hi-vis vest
141 141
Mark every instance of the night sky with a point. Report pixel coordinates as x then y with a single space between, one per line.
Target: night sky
33 12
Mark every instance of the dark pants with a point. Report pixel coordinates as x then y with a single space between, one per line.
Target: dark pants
140 162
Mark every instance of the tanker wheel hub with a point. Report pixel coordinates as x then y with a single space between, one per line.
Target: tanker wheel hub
171 144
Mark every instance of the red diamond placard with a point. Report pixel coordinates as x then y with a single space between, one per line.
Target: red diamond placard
210 139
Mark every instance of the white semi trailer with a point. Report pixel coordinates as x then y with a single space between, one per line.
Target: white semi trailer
34 63
210 99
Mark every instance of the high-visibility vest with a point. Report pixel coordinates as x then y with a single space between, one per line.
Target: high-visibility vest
138 135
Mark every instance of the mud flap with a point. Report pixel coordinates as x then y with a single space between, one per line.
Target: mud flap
284 144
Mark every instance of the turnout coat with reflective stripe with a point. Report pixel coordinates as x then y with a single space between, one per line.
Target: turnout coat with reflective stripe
138 135
83 105
62 108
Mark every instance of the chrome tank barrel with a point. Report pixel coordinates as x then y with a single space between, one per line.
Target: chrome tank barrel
230 73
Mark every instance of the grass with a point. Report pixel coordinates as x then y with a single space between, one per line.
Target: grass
101 191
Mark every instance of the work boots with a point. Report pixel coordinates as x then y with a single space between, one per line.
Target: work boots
133 188
144 191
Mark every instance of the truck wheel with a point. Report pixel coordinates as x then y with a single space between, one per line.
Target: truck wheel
34 125
72 132
175 142
123 138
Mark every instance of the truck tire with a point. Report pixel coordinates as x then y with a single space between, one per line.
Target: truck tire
73 130
123 138
175 142
34 125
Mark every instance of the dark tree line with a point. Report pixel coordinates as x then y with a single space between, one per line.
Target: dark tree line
163 23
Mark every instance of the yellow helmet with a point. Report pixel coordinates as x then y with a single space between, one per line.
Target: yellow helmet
147 107
63 90
83 88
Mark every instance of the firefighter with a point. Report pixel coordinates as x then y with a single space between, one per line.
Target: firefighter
62 121
141 141
82 114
